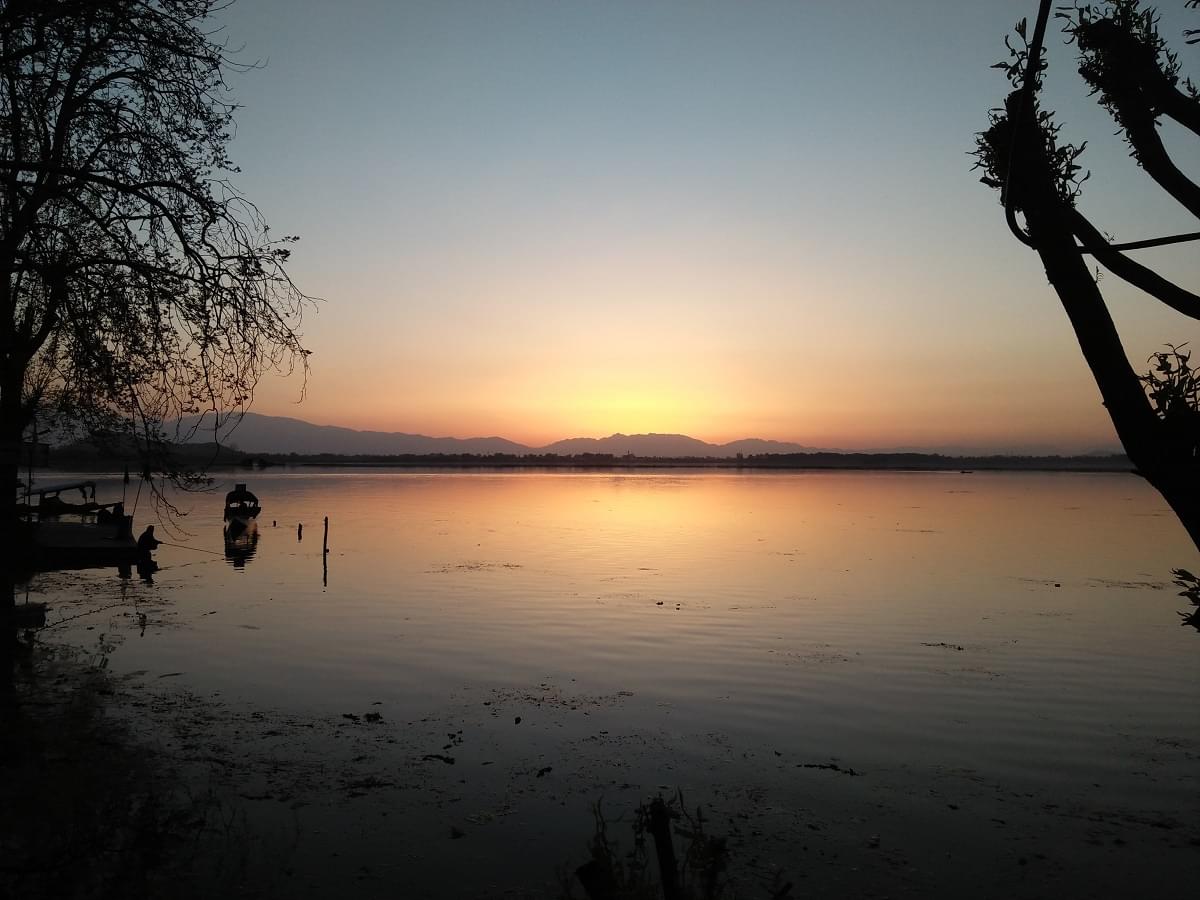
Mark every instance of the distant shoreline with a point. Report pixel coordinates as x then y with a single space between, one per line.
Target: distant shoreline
949 464
224 458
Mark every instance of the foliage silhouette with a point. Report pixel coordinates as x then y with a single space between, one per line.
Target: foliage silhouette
136 284
613 874
1132 72
1191 589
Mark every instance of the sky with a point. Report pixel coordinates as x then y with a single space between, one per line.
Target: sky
543 220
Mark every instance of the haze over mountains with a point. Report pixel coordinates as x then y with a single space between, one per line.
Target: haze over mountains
257 433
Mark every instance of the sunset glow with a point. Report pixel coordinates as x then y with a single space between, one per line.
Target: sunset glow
575 220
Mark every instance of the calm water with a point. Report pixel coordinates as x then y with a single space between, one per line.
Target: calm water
1021 627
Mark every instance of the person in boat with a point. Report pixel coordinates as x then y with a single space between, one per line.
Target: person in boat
241 502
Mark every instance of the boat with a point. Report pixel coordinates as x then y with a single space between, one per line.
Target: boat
241 509
67 535
50 503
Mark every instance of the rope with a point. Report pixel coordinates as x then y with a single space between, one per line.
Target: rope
186 547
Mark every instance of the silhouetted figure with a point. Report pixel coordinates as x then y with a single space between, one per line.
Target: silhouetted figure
241 504
147 543
111 516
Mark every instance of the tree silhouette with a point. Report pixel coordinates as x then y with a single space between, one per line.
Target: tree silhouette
1133 74
136 284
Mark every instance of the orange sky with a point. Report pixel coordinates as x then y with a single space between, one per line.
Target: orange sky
561 220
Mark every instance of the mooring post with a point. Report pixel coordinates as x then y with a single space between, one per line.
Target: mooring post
325 555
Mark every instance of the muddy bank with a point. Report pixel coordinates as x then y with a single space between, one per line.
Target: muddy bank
87 807
130 784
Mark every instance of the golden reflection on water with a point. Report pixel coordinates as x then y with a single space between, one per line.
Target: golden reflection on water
1008 637
869 606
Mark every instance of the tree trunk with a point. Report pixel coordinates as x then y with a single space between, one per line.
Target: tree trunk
11 538
1178 485
1139 428
8 641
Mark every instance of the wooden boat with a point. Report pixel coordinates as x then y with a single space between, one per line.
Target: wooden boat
47 500
100 535
83 545
241 506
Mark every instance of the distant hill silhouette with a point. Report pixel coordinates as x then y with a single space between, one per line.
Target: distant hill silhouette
257 433
670 445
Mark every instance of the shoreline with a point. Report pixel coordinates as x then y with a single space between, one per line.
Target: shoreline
206 793
959 465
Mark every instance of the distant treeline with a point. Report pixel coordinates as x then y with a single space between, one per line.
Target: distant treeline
910 461
210 456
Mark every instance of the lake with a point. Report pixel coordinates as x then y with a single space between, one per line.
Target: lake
878 683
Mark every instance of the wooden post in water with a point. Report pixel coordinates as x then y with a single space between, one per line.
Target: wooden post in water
325 555
325 539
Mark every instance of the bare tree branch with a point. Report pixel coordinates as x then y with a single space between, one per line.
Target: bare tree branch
136 286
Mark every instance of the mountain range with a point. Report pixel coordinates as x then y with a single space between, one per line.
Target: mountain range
257 433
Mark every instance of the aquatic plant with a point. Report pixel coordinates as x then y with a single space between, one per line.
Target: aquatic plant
615 874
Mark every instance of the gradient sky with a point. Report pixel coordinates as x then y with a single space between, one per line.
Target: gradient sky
557 219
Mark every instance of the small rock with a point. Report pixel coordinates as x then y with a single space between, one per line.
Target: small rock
517 720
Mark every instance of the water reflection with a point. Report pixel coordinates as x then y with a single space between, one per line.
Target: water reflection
146 567
241 542
989 637
780 598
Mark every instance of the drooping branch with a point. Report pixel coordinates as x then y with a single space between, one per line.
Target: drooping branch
136 286
1135 273
1149 150
1127 64
1137 78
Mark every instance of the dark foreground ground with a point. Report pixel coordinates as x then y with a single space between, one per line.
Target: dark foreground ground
127 786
